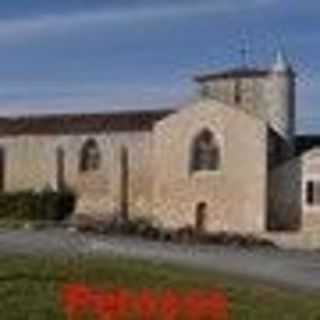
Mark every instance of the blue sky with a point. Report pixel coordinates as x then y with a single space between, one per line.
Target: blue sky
87 56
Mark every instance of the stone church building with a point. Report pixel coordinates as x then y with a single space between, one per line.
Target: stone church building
230 160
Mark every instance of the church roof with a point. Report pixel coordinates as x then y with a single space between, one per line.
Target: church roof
81 123
243 72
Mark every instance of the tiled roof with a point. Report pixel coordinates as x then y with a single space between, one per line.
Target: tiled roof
81 123
233 73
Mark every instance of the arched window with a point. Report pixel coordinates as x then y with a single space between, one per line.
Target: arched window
124 195
90 156
238 92
205 152
60 168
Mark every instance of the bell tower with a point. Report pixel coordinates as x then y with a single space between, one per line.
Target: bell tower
267 93
280 98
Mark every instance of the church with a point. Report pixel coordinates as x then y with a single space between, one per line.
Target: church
230 160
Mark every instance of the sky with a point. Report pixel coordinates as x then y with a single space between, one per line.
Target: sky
67 56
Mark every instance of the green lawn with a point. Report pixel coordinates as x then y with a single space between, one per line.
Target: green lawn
29 287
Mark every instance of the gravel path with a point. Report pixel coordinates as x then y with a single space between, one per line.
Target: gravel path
294 269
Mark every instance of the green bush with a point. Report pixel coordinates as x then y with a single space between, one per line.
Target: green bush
30 205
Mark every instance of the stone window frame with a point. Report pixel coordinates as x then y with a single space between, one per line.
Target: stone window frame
315 203
217 139
90 156
60 167
238 92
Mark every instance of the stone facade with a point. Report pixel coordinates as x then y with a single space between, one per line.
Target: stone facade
224 162
310 173
289 195
235 193
285 196
31 163
267 94
160 184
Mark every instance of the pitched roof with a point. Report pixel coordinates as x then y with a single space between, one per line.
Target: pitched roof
81 123
233 73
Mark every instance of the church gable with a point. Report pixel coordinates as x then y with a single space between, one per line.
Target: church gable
214 156
207 112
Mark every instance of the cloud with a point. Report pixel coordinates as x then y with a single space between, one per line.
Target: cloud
30 27
52 97
12 30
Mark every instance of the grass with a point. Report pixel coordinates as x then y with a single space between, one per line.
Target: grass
29 287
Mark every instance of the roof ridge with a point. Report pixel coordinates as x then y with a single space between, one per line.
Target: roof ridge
87 114
81 123
233 72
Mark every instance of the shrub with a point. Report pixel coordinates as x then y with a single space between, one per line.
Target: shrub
30 205
235 239
117 225
185 234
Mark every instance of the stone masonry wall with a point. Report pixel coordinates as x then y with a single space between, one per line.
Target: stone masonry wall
311 172
279 101
252 92
270 97
288 191
285 206
235 195
31 163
